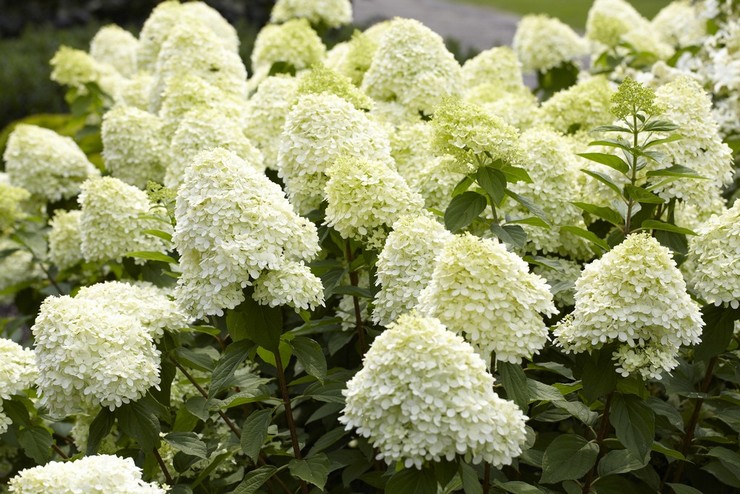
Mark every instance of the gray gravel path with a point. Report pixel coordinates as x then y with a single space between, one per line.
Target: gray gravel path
473 26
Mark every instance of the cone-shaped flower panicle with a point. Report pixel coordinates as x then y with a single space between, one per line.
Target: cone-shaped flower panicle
292 284
498 66
543 43
117 47
17 373
331 13
294 43
65 240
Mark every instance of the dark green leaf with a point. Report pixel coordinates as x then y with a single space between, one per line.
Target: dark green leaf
664 450
518 487
611 128
139 422
99 429
237 324
683 489
187 442
513 235
599 375
314 470
620 461
667 227
568 457
493 181
254 432
665 409
588 235
327 440
16 412
659 126
533 221
412 481
445 471
675 241
609 160
463 185
604 179
719 324
634 423
729 476
36 443
310 355
463 209
641 195
578 410
198 407
731 459
471 484
354 291
266 324
152 256
515 384
196 359
674 171
608 214
255 479
222 374
613 484
532 207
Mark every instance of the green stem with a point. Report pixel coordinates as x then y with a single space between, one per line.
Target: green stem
354 280
600 436
163 467
633 178
487 478
59 451
289 413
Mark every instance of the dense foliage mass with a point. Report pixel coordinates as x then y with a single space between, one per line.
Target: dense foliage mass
367 268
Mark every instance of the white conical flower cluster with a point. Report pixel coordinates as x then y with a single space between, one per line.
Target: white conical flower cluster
635 296
714 254
365 198
114 218
424 395
581 107
331 13
294 43
543 43
100 474
406 264
97 349
488 295
498 66
232 223
17 373
65 240
117 47
292 284
45 163
12 206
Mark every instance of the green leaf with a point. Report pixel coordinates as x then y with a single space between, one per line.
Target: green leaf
568 457
675 241
609 160
187 442
719 324
513 235
139 422
634 423
471 484
196 359
152 256
659 126
655 142
587 235
607 214
683 489
463 185
314 470
266 324
237 324
664 450
674 171
515 384
463 209
612 143
159 233
729 476
516 174
222 374
604 179
665 409
666 227
731 459
310 355
412 481
578 410
533 221
518 487
36 443
620 461
493 181
99 429
532 207
641 195
610 128
254 432
599 375
327 440
255 479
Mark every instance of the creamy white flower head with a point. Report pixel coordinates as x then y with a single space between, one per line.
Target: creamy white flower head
488 295
135 91
413 67
89 357
543 43
583 106
424 395
517 107
45 163
203 130
194 49
352 58
149 304
294 43
232 223
634 296
12 206
114 217
100 474
166 16
184 94
321 79
117 47
319 129
16 267
331 13
18 371
679 24
365 198
468 133
75 68
715 252
135 147
65 240
700 148
406 264
555 172
292 284
264 115
498 66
